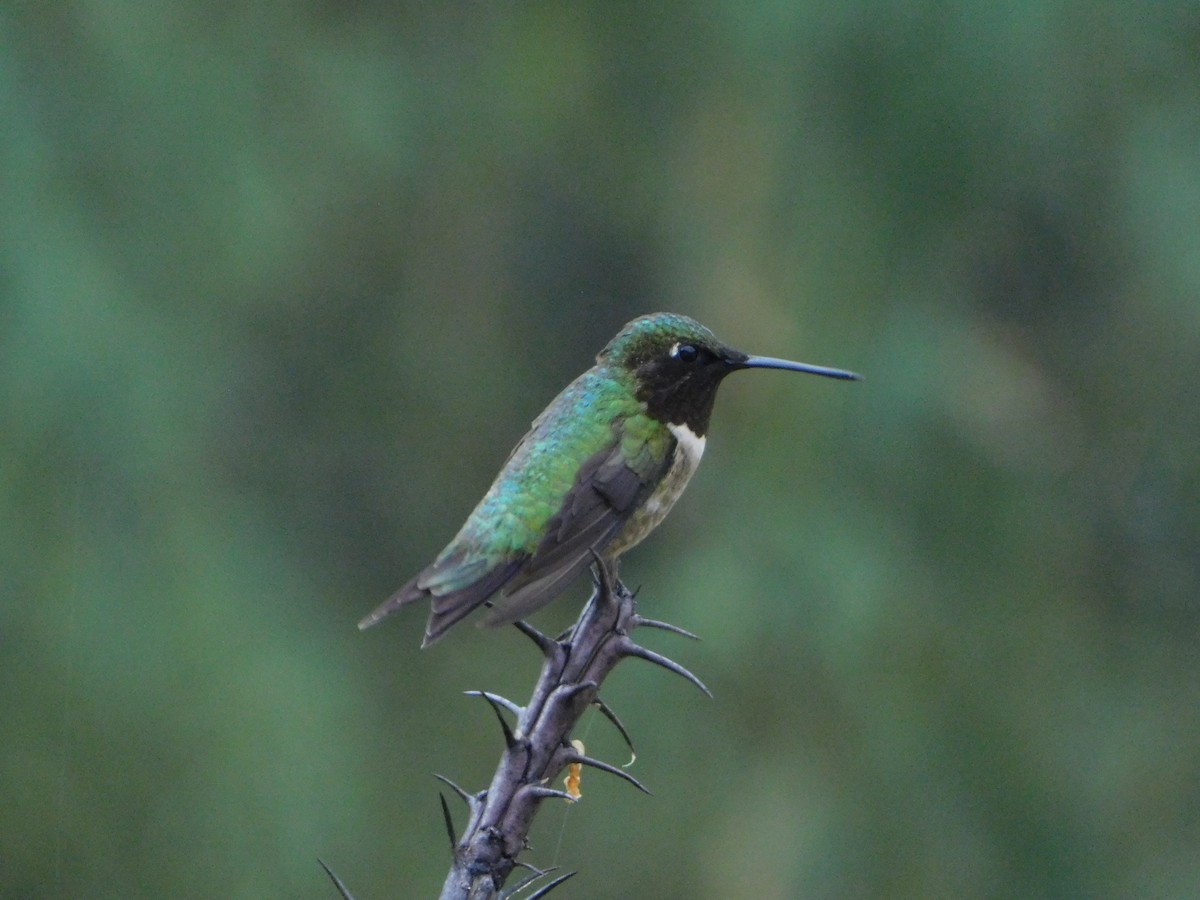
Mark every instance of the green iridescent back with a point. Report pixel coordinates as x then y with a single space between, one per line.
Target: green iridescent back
511 518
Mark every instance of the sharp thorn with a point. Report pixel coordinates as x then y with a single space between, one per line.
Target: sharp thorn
618 724
664 626
450 832
604 579
496 698
468 798
632 649
568 691
546 889
611 769
337 882
496 704
541 792
534 870
544 643
519 886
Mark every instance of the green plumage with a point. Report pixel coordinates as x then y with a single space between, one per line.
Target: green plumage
597 472
592 457
594 414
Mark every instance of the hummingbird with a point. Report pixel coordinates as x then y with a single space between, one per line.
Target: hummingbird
598 471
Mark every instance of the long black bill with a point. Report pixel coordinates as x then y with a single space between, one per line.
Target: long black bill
769 362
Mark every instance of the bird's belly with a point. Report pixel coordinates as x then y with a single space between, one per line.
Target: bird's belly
688 450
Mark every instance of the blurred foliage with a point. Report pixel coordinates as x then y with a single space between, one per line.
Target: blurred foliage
281 284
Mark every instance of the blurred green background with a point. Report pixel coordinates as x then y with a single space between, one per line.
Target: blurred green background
282 283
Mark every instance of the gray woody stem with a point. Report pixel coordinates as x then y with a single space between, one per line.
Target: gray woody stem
538 748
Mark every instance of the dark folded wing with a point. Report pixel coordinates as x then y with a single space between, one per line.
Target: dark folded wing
605 494
448 609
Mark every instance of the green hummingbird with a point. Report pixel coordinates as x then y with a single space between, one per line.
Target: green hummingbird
598 471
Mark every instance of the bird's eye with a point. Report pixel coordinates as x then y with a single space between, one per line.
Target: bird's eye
686 353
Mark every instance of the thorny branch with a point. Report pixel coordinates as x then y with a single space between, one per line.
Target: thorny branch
538 748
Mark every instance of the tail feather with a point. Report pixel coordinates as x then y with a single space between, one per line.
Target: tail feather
531 596
410 593
451 608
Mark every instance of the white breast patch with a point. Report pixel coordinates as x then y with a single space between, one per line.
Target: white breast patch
689 448
691 444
